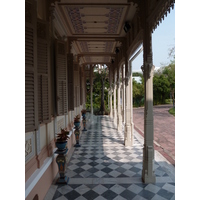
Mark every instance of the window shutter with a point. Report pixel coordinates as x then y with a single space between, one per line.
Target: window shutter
61 71
81 88
43 71
31 113
70 73
76 85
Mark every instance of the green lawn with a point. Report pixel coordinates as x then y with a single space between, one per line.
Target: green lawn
172 111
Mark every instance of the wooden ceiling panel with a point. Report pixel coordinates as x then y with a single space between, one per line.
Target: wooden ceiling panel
97 27
95 19
94 11
99 18
91 20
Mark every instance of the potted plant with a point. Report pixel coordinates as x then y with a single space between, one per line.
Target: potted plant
83 111
61 139
77 121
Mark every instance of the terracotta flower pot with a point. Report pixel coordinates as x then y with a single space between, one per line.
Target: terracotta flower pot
77 124
61 145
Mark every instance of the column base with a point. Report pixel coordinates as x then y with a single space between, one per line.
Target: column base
115 117
148 178
128 135
63 180
111 114
148 175
119 123
77 145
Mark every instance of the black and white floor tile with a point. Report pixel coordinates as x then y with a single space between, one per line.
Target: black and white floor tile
103 168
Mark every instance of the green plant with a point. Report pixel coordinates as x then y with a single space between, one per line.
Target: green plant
172 111
63 136
83 111
77 118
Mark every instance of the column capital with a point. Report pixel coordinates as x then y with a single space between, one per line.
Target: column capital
69 45
118 84
126 81
52 12
148 68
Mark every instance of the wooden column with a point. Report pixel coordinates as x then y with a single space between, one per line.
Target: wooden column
114 93
110 92
91 89
119 115
123 93
128 107
148 175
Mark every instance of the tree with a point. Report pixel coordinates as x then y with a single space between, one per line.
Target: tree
101 81
138 91
169 73
164 80
160 88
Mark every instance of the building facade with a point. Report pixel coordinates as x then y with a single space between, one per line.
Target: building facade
63 41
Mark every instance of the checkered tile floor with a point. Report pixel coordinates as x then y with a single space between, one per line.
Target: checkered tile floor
103 168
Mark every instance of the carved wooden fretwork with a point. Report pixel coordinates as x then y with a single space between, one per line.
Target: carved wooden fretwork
41 30
148 69
28 147
28 12
60 124
158 13
70 73
61 48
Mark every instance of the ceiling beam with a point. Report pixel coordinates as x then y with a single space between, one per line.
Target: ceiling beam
96 54
94 63
93 4
96 38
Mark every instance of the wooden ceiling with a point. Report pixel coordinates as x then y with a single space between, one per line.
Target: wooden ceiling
95 27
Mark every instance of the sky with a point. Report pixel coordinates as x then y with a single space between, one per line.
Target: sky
187 95
163 38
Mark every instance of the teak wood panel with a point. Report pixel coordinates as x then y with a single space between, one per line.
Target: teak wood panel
31 110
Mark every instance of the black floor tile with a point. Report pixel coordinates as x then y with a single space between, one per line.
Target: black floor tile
146 194
108 185
109 195
125 185
166 194
79 170
57 194
93 164
134 169
72 195
120 169
90 195
127 194
80 164
106 170
74 186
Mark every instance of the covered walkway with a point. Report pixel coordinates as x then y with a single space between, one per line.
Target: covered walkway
164 129
65 42
103 168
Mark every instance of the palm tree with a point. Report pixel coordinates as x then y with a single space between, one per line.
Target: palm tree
101 75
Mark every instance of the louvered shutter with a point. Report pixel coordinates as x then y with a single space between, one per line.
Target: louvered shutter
81 85
70 73
76 84
31 114
43 71
61 71
84 87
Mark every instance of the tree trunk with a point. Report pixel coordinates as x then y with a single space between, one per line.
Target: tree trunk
172 91
102 108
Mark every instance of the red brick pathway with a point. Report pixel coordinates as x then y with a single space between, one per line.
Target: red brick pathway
164 129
